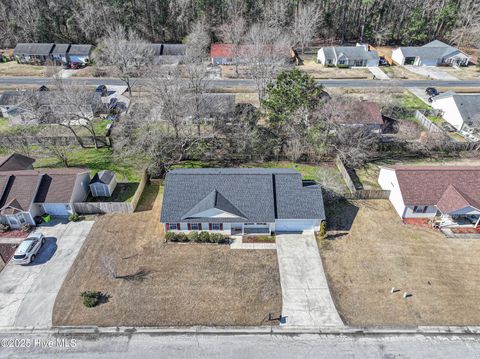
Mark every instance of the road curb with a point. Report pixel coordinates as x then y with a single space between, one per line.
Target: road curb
93 330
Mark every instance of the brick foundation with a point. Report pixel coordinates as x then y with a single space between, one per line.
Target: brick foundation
423 222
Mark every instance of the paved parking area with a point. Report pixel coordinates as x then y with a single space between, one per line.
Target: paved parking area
27 293
430 72
306 299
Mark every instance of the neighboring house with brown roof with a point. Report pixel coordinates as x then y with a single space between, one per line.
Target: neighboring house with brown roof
16 162
448 194
30 193
364 114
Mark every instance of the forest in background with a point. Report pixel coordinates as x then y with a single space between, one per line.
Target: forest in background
381 22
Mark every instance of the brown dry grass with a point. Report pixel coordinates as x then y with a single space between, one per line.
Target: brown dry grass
320 72
379 252
471 72
188 284
12 68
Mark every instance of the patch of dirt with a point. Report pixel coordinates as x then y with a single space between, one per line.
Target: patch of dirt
166 284
368 250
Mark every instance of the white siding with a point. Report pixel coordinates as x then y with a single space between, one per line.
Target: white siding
372 63
398 57
294 225
387 179
81 189
450 111
321 56
58 209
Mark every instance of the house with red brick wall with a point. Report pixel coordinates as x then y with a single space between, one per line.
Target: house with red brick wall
448 196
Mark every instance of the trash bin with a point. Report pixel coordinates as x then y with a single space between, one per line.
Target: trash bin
47 218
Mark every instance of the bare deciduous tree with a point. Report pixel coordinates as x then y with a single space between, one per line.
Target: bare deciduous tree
233 33
267 50
126 53
198 41
305 24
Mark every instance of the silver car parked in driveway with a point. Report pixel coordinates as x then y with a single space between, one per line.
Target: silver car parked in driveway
28 249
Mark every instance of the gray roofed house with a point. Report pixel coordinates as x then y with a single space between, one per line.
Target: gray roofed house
461 110
432 54
16 162
60 49
359 56
240 200
32 107
33 53
80 49
168 53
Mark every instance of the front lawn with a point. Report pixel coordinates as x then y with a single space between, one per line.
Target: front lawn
368 250
176 284
412 102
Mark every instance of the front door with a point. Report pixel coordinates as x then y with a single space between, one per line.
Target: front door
13 221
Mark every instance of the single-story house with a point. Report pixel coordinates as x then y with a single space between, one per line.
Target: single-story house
16 162
432 54
103 184
240 200
30 193
361 114
59 53
39 54
168 53
31 53
450 195
34 107
462 111
348 56
79 54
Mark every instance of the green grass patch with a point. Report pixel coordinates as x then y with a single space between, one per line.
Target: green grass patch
126 169
436 119
412 102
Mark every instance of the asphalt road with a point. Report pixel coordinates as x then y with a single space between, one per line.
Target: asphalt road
23 81
237 346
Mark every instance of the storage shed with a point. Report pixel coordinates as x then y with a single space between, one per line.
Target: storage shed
103 184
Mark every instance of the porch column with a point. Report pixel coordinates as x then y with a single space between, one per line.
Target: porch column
478 221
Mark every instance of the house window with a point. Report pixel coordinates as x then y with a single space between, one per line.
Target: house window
420 209
249 224
194 226
342 62
261 224
21 218
172 226
215 226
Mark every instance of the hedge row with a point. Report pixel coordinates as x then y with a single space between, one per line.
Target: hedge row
200 237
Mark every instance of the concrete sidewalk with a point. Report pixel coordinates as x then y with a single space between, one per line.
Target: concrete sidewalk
305 294
378 73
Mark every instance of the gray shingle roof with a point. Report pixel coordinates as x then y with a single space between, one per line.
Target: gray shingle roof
351 52
83 49
433 50
467 105
252 194
60 49
105 176
33 49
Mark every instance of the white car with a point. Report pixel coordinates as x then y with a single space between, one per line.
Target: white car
28 249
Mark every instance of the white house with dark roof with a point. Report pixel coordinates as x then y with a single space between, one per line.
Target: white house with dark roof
421 194
351 56
240 200
462 111
432 54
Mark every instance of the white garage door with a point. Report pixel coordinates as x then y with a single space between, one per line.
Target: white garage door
57 209
294 225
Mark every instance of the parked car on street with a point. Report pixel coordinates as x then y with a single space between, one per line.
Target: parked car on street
27 250
431 91
383 61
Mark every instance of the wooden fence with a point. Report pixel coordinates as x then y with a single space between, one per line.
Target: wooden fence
345 175
368 194
113 207
358 193
103 207
429 125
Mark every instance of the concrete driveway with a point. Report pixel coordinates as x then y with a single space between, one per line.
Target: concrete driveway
27 293
431 72
306 299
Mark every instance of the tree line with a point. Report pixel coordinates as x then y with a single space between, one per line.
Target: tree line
407 22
